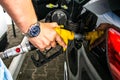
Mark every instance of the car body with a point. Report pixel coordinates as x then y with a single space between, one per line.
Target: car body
86 15
82 64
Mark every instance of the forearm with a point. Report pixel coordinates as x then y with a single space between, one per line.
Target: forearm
21 11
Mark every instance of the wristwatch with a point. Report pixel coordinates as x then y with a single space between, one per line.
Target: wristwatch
33 31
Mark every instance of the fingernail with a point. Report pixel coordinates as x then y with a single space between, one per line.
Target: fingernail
65 46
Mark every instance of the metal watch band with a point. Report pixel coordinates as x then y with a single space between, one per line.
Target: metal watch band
33 31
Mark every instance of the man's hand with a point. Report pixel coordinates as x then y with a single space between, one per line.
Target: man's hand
23 14
47 37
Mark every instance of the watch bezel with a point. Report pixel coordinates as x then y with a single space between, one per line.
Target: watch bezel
31 29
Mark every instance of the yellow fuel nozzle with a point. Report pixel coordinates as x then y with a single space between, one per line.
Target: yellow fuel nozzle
94 35
65 34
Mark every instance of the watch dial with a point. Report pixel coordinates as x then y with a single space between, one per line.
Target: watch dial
35 31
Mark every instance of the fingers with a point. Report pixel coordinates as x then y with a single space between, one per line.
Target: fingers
60 41
49 47
42 43
47 44
48 37
53 44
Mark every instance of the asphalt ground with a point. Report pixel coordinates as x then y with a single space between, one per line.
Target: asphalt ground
50 71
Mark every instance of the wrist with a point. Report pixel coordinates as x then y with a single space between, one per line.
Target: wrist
33 30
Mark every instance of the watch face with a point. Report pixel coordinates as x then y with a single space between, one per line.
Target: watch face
34 31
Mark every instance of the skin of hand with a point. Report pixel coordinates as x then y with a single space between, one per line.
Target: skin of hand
23 14
47 37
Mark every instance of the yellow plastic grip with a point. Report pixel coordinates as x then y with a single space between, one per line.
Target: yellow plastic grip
65 35
93 36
